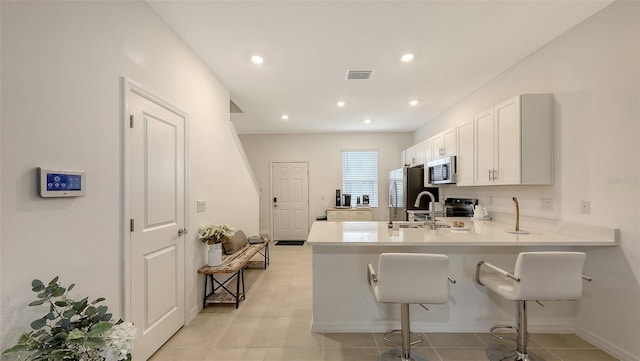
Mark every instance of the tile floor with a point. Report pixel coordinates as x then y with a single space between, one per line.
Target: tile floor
273 325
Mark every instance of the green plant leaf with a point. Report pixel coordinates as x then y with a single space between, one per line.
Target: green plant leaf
62 303
106 317
39 323
50 316
98 300
53 281
71 286
38 302
76 335
37 286
90 311
99 329
16 348
69 313
59 291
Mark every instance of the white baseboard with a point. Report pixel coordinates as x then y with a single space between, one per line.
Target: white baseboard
606 345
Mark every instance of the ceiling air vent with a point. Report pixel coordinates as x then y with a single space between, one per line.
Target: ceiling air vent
359 74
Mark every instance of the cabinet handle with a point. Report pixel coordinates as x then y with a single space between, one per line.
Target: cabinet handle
490 175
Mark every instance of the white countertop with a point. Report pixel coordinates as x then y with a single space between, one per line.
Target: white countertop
476 233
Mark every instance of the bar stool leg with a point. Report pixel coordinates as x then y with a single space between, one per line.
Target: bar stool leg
503 353
404 354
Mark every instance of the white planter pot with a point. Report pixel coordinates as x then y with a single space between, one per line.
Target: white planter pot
214 255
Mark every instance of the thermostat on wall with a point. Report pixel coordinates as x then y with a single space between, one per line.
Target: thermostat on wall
61 183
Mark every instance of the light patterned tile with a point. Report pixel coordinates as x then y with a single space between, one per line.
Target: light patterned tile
582 355
237 354
560 340
443 339
462 354
294 354
181 354
348 340
351 354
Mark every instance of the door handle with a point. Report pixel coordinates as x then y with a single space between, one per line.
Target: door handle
182 231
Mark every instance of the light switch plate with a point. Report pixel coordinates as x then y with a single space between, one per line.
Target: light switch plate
201 205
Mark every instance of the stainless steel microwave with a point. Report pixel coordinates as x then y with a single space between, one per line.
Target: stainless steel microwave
442 171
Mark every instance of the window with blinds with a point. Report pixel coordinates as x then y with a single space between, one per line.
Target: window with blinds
360 175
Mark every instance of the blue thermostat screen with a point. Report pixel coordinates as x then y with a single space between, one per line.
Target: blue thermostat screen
63 182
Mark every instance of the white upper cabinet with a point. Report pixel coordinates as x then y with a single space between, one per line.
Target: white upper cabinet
465 161
444 144
418 154
419 160
513 142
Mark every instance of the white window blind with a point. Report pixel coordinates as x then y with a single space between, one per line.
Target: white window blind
360 175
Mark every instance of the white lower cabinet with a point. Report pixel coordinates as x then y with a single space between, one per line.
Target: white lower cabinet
345 215
513 142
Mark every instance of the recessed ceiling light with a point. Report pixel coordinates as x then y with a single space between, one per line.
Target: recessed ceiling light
413 103
367 121
407 57
257 59
284 117
340 103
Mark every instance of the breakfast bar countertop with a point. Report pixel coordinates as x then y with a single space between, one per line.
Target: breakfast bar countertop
473 233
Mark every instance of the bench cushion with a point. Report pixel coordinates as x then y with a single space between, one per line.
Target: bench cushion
234 242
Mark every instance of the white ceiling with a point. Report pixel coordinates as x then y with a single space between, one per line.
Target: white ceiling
308 46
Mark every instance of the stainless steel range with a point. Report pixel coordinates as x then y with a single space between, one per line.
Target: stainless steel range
459 207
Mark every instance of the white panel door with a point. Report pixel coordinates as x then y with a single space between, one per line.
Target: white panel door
507 123
156 205
290 201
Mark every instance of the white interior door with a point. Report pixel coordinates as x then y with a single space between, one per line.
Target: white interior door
155 202
290 201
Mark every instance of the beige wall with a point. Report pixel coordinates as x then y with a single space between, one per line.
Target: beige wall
323 152
62 64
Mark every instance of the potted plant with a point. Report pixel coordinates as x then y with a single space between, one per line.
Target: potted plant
73 330
213 235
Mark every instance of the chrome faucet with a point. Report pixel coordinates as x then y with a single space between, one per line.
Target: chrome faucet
432 224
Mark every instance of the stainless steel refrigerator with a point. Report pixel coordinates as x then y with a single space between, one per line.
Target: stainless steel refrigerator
404 186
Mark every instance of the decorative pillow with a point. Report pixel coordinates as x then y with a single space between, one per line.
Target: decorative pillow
234 242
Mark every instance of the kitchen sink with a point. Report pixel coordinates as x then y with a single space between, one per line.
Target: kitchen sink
413 224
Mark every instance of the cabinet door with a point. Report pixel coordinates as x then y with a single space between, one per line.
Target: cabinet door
483 146
361 215
465 154
410 156
450 140
507 142
337 216
419 149
403 158
428 157
438 146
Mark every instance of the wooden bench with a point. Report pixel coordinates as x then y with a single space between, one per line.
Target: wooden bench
233 266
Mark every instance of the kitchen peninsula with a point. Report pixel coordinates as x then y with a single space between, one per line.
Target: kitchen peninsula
342 301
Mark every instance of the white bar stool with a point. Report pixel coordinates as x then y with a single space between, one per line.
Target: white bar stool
407 278
538 276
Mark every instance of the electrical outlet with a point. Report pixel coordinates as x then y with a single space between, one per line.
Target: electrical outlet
201 205
546 204
585 207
